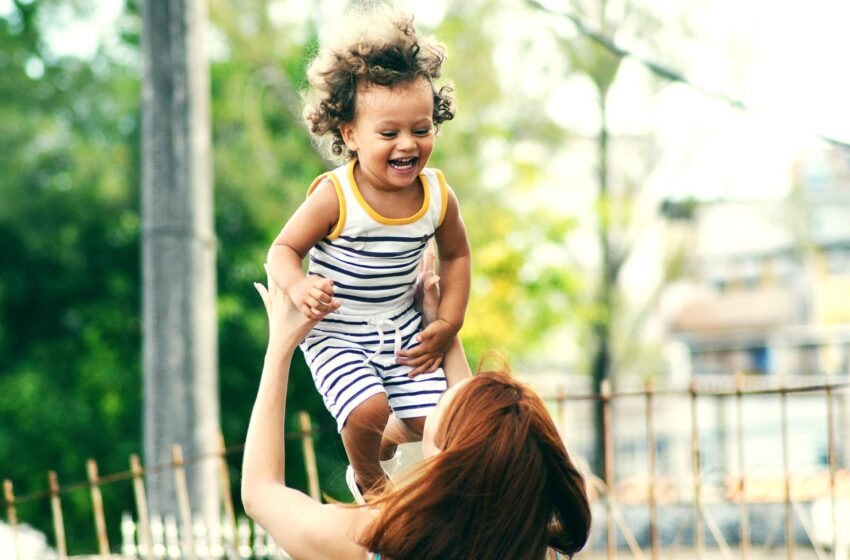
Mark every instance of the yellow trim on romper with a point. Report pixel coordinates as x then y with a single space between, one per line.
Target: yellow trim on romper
337 230
379 218
444 199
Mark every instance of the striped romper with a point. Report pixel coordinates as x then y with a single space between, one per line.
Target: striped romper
373 262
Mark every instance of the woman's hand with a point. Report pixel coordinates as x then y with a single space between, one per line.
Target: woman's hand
426 294
437 333
286 322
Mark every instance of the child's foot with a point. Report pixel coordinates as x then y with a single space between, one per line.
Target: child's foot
352 486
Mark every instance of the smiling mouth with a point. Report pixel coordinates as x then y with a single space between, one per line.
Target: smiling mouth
403 164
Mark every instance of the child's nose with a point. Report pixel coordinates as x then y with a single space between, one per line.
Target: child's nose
407 141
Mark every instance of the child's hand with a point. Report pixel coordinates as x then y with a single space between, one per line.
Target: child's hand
314 297
434 341
285 321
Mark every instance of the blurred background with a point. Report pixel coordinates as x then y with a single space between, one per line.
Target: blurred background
653 190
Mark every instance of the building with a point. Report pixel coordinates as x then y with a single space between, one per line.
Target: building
770 280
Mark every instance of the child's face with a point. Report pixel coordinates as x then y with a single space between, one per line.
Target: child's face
392 133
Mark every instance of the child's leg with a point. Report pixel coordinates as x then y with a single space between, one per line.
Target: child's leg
400 430
361 436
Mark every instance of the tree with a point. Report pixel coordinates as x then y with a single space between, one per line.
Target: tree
69 272
617 228
178 252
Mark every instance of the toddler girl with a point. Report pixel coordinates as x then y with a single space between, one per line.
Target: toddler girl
365 226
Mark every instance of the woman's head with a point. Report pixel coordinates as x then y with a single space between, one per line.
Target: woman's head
500 483
377 49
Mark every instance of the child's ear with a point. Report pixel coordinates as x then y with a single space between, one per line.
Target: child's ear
347 132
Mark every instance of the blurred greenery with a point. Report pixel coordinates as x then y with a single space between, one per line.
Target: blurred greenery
70 376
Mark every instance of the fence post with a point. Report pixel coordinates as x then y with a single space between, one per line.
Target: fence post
699 538
11 514
183 501
607 427
830 453
97 509
744 522
227 497
789 512
144 525
309 454
58 520
650 442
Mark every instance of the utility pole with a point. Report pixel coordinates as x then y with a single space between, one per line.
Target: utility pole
180 361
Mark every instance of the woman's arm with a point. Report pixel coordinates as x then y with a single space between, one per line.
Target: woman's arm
303 527
455 278
427 298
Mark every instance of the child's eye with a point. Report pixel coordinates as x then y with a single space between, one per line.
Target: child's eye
387 134
422 132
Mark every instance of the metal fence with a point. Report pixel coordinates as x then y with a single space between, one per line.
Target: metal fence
704 527
186 536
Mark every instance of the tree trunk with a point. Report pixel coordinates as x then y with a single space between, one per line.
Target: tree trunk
178 253
601 329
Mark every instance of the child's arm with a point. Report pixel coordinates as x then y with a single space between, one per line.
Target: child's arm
314 219
455 274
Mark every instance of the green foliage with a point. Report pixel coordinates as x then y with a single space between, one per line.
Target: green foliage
69 229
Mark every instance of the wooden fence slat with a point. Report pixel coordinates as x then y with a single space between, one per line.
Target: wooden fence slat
172 537
129 547
200 536
58 519
143 529
97 509
231 544
183 501
744 514
699 537
12 514
160 548
244 530
831 460
654 544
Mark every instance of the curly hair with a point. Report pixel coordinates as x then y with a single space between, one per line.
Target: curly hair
377 48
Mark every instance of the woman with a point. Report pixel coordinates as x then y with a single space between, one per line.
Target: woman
496 483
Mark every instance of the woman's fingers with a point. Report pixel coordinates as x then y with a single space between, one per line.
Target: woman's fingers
264 294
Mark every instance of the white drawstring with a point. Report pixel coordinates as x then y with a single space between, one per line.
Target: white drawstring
379 321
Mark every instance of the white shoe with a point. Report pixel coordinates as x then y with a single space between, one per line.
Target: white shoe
393 464
352 486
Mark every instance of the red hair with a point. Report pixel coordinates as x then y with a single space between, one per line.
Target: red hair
503 485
